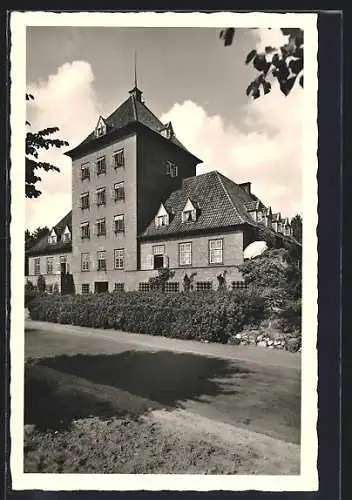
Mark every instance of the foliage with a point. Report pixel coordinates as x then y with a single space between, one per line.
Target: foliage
291 316
67 284
188 282
35 142
31 238
222 280
56 288
284 63
296 227
210 316
158 282
266 270
265 234
41 285
29 293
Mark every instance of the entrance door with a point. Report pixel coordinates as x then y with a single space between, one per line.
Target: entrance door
101 286
63 267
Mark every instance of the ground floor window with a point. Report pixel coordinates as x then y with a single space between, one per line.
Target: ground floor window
119 287
101 260
144 287
158 256
101 286
85 288
215 251
203 285
37 266
185 254
49 265
172 286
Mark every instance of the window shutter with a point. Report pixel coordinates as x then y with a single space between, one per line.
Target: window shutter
165 260
150 262
59 268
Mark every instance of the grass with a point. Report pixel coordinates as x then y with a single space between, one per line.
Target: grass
94 410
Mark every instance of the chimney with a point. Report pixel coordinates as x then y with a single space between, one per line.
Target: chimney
246 186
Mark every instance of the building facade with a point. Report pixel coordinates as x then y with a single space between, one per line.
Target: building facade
138 206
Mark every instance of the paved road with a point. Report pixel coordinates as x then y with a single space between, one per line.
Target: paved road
250 387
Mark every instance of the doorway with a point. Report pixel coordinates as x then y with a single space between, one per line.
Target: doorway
101 286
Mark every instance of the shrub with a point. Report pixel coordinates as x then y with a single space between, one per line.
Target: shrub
41 285
208 316
290 316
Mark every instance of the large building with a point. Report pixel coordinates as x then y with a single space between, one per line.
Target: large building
138 205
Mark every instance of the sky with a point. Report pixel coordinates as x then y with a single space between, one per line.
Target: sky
188 77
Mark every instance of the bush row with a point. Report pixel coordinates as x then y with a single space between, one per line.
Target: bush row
211 316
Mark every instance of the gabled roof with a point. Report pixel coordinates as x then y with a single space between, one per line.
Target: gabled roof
131 111
220 201
276 217
43 246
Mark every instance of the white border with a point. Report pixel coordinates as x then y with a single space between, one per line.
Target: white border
308 479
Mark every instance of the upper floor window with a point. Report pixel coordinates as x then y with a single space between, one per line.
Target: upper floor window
119 258
119 191
85 171
185 254
101 260
216 251
100 165
100 196
49 265
119 223
37 266
66 237
85 232
161 220
171 169
119 158
101 227
259 216
85 261
84 199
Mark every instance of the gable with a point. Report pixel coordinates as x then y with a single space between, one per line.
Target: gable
100 128
162 211
189 206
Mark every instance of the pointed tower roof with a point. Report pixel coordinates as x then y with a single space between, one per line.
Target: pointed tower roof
130 113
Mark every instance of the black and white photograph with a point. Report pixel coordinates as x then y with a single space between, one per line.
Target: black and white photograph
164 296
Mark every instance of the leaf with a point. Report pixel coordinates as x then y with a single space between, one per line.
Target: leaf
249 89
227 35
296 66
301 81
266 87
259 62
270 49
286 85
250 56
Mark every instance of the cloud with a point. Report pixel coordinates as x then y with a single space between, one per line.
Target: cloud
263 146
65 100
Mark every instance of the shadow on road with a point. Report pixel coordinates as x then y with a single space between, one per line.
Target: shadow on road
64 388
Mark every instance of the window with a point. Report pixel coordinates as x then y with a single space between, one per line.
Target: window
215 252
100 165
119 223
85 288
85 173
161 220
66 237
85 232
84 198
259 216
85 260
119 159
203 285
171 169
37 266
64 267
158 256
119 258
144 287
238 285
101 260
189 215
119 287
101 227
172 286
100 128
100 196
119 191
158 249
185 254
52 239
49 265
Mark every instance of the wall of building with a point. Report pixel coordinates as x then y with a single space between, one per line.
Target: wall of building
127 207
153 183
54 277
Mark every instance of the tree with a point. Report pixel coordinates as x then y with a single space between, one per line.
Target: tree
41 284
35 142
284 63
158 282
296 227
32 238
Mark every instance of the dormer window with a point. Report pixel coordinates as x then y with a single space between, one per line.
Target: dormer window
52 239
189 213
162 217
167 131
100 129
171 169
66 235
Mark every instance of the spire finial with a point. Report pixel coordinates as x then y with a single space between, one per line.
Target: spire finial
135 69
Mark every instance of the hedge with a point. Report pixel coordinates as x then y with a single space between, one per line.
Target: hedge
211 316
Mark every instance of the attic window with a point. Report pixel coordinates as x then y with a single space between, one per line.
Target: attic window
66 237
167 131
52 238
100 128
161 220
189 215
